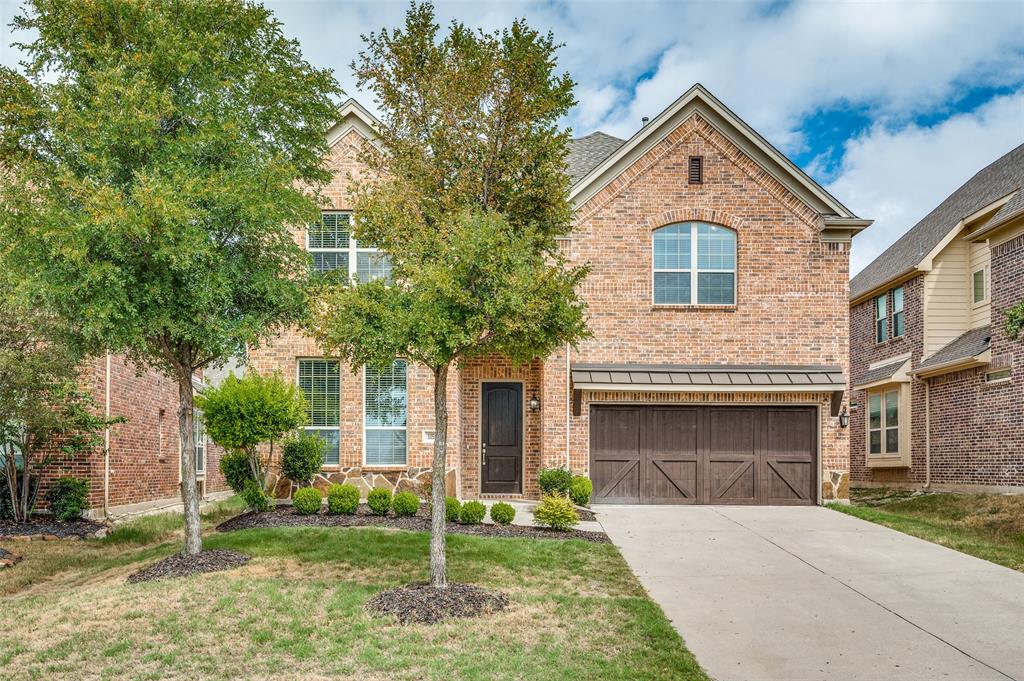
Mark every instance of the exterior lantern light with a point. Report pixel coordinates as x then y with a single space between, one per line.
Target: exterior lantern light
534 402
844 418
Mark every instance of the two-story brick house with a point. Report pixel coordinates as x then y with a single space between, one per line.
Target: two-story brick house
938 387
718 304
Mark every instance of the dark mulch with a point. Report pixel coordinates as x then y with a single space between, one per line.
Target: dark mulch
284 516
585 514
45 525
423 604
182 565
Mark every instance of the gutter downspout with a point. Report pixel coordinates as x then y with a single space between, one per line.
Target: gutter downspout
106 445
568 405
927 436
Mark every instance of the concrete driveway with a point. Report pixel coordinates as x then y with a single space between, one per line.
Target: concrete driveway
792 594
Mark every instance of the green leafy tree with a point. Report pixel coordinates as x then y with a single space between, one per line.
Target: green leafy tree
470 193
242 413
156 153
1015 320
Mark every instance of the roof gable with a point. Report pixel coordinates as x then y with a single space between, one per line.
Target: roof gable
698 100
352 116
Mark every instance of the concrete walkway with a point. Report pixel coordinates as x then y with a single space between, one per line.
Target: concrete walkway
794 594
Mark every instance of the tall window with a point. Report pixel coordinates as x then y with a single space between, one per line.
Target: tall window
884 422
333 247
320 380
385 407
881 319
199 437
694 264
978 285
897 311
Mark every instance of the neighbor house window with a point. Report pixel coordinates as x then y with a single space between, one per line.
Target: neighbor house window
199 437
384 406
978 285
694 264
881 319
897 312
884 423
11 449
320 381
333 247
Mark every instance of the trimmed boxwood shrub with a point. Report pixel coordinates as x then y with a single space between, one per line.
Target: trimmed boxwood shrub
452 506
554 480
255 498
236 470
405 504
556 511
580 490
502 513
68 498
472 512
303 458
379 500
306 500
342 499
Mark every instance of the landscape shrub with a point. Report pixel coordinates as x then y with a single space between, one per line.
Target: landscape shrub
307 500
302 458
405 504
472 512
555 480
452 506
342 499
68 498
255 498
580 490
556 511
379 500
236 470
6 509
502 513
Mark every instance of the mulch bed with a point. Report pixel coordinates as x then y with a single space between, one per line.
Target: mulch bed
44 527
423 604
183 565
585 514
284 516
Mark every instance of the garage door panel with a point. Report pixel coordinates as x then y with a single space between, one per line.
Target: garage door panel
790 470
615 454
732 479
786 481
669 456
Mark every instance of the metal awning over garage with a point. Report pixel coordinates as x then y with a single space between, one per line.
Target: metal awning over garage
708 378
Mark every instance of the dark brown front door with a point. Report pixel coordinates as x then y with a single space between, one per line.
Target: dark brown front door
501 438
703 455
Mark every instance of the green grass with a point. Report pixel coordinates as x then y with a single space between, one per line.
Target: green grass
987 526
576 612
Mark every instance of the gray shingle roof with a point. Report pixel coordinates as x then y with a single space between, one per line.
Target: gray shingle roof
965 346
586 153
993 182
757 378
1009 211
880 373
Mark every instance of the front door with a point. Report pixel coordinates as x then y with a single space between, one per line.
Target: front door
501 438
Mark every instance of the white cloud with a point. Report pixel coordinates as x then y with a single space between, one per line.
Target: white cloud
897 176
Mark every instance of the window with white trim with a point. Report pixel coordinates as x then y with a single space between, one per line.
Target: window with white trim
694 263
884 423
320 381
978 286
898 322
199 438
385 406
333 247
881 318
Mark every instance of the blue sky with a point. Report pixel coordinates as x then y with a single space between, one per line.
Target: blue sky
890 106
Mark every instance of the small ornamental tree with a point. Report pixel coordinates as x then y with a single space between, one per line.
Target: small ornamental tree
155 154
470 193
242 413
1015 321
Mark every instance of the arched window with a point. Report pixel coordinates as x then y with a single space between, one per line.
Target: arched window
694 264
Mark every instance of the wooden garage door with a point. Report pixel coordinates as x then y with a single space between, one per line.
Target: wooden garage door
703 455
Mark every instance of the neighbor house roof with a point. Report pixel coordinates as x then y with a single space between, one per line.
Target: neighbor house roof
964 347
997 180
585 153
880 373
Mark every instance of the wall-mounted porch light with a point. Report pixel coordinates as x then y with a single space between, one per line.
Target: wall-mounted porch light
534 402
844 418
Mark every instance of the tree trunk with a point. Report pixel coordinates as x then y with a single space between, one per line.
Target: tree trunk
189 487
438 579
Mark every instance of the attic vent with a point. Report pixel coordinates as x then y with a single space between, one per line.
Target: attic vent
696 173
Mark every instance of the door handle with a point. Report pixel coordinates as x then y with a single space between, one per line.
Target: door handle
483 455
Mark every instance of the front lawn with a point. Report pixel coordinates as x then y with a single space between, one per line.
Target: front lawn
988 526
296 611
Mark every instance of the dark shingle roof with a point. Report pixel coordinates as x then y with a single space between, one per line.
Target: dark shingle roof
991 183
965 346
586 153
880 373
1009 211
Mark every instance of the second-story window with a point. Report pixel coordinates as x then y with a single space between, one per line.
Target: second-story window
881 319
694 264
978 286
333 247
897 312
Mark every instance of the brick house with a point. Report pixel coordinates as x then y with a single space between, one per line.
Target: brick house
718 305
938 386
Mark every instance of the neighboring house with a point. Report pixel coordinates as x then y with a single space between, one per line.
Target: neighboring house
717 369
139 464
938 387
